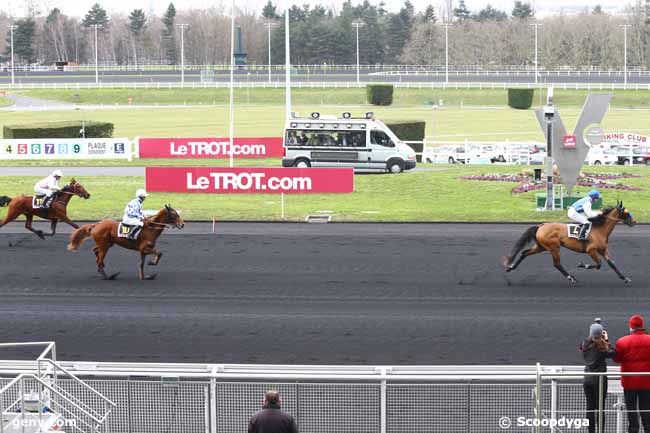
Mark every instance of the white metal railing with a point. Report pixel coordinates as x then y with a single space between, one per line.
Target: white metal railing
46 375
455 85
221 397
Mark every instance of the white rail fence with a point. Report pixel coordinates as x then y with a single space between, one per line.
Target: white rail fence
211 398
321 85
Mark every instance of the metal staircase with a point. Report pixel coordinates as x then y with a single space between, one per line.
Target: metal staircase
41 399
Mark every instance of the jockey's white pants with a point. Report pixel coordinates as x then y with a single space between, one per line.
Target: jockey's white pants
578 217
133 222
47 192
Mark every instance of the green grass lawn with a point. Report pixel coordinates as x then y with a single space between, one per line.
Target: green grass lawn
5 101
416 196
325 96
444 124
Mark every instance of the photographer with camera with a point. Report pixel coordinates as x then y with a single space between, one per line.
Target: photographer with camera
595 351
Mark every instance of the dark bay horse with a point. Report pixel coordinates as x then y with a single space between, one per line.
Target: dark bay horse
105 235
22 205
550 237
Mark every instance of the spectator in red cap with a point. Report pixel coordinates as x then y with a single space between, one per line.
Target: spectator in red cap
633 353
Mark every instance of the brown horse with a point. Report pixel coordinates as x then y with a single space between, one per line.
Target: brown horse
22 205
105 235
550 237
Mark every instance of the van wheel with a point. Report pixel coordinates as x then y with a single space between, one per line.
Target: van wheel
451 160
395 166
598 163
302 163
626 162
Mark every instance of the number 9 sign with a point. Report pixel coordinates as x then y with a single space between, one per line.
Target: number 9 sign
76 148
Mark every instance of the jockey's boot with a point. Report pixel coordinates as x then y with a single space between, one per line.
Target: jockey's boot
47 201
583 231
135 231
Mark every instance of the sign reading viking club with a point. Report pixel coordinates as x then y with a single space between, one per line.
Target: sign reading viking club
249 180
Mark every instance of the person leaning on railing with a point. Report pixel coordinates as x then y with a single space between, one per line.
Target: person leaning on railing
595 351
633 353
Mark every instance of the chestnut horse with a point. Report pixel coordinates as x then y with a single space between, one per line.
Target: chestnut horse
105 235
22 205
550 237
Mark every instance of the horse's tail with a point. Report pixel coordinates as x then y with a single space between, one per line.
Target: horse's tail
4 200
525 239
79 236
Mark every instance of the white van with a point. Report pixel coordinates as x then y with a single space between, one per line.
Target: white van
327 141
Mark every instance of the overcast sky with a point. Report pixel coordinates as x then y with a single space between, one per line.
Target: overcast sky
78 7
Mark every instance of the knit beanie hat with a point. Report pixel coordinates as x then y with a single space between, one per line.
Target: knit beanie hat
596 330
636 322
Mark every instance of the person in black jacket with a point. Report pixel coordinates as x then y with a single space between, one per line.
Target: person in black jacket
271 419
595 351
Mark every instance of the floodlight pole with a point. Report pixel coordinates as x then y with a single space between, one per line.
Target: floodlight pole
287 58
11 29
269 25
96 27
356 24
232 84
446 25
625 27
536 25
182 27
550 194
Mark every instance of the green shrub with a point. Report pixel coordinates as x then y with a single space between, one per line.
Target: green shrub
59 130
410 130
521 99
379 94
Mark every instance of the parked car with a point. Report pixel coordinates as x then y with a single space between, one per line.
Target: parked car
640 155
600 156
526 153
450 154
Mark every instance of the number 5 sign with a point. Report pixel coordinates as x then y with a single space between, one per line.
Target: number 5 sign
62 149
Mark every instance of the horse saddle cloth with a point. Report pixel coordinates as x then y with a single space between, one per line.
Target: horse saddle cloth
574 231
127 231
40 202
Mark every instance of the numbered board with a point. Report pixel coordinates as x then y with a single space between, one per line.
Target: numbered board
91 148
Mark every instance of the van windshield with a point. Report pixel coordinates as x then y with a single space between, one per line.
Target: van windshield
330 138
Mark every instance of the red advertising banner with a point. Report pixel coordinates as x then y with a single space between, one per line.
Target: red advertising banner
569 141
210 147
249 180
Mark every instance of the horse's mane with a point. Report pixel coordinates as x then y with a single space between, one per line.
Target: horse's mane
600 219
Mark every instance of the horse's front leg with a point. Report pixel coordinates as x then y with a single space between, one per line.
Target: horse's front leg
610 262
68 221
143 255
157 255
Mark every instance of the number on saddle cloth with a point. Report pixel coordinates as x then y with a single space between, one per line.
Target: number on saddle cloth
573 231
127 231
40 202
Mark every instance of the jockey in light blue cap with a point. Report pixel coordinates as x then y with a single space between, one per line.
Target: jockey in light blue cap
580 211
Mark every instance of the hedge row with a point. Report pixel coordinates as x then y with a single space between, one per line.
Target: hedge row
521 99
59 130
410 131
379 94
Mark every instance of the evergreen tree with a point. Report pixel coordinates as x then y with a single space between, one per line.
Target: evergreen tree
23 41
168 35
137 22
522 10
598 9
96 16
490 14
429 15
270 11
461 13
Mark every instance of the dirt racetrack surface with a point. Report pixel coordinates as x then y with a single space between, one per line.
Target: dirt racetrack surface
318 294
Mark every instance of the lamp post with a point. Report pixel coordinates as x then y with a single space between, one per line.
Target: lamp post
96 27
182 27
232 84
536 25
357 24
625 27
269 25
446 26
11 29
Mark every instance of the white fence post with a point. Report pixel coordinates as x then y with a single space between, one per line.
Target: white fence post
383 423
213 401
